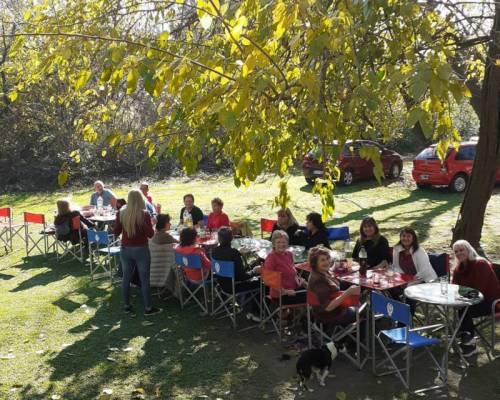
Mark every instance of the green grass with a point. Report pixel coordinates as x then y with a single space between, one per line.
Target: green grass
59 331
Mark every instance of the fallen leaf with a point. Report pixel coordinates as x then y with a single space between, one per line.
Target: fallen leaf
7 356
128 349
64 345
147 323
56 397
40 352
160 340
106 394
111 359
180 341
341 396
139 393
114 349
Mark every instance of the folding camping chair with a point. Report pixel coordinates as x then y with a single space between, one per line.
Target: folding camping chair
266 226
75 251
103 251
338 233
272 309
8 229
34 243
408 339
228 301
489 322
193 288
351 331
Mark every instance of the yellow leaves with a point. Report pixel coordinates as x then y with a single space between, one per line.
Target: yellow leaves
284 18
117 76
13 96
89 134
63 175
82 78
311 83
132 77
283 198
163 39
442 148
238 28
27 15
117 54
187 94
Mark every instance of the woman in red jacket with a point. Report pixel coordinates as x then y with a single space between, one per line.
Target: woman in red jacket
475 272
134 224
217 219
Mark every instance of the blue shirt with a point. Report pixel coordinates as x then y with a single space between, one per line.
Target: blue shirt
151 209
106 195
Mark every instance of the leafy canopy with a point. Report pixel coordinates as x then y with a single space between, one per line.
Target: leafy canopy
257 81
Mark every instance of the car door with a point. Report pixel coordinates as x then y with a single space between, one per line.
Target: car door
464 159
354 161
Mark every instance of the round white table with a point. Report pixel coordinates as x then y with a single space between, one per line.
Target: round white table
430 293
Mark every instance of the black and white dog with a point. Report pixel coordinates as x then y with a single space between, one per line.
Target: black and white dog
318 361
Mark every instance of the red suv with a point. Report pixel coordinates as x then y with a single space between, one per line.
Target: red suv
454 172
351 165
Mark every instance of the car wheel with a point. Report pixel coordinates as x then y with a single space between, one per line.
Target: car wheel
459 183
395 171
311 181
346 178
422 186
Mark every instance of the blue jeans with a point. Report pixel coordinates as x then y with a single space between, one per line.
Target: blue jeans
140 258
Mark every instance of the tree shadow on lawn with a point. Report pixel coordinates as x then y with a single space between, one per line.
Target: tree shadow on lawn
55 271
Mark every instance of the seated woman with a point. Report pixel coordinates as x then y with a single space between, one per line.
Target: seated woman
316 232
408 257
161 247
376 245
187 246
288 223
331 310
244 280
217 219
62 223
475 272
281 260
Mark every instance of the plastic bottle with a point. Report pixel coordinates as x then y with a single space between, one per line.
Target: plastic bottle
100 203
363 266
187 218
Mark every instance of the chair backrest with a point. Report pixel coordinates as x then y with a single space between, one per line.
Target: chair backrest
338 233
312 299
440 263
75 223
389 253
31 218
390 308
98 237
224 269
205 219
5 212
266 225
188 260
271 278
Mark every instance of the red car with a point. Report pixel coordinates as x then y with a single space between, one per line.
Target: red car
454 172
351 165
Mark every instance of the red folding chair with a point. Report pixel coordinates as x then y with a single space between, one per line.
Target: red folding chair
8 230
272 308
74 250
266 225
33 242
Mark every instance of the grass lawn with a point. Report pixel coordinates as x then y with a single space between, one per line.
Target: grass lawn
64 335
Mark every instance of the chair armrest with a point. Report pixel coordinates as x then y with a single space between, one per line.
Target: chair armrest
494 306
427 327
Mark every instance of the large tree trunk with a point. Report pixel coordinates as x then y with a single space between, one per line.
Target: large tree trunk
470 220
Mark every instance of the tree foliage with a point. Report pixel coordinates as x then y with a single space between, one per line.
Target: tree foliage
256 81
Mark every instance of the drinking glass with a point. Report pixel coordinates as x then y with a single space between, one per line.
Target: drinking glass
443 281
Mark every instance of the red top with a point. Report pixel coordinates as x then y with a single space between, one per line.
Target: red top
282 262
194 274
143 232
406 263
215 221
478 275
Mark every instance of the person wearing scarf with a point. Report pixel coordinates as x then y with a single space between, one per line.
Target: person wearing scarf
376 245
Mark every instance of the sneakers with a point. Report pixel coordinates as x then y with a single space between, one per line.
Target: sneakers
153 311
468 340
253 317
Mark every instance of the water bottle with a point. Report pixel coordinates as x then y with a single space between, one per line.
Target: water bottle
186 217
363 266
100 202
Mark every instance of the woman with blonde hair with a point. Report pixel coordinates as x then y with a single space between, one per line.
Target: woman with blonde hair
133 222
63 223
475 272
287 222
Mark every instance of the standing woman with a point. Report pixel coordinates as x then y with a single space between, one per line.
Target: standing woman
134 224
408 257
376 245
287 222
476 272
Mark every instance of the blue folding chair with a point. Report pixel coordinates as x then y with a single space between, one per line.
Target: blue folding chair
407 339
338 233
228 301
193 288
103 251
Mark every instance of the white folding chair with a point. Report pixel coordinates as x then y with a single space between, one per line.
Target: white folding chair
43 240
351 331
103 252
193 288
406 338
230 304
